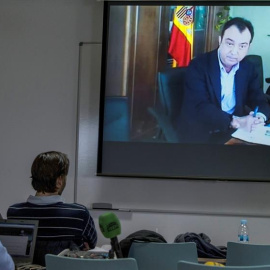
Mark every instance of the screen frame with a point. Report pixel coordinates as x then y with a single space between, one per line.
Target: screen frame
114 161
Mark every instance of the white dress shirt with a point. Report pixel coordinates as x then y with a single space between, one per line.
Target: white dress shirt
227 80
228 101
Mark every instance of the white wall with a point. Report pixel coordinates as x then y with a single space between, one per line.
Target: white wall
261 42
38 85
38 103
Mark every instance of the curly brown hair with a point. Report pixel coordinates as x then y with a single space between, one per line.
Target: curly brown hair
46 168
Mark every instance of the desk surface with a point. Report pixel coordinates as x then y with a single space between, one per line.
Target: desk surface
234 141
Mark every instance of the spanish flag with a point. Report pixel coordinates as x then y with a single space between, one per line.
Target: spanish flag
181 41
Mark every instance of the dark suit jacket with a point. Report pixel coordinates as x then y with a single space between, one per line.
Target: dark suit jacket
201 117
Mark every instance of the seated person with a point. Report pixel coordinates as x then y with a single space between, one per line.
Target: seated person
222 90
6 262
61 225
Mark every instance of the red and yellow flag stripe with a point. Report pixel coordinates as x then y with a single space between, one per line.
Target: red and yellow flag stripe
181 41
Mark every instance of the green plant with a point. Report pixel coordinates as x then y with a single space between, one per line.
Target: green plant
222 17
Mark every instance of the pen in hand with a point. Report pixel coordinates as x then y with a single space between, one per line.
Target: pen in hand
255 111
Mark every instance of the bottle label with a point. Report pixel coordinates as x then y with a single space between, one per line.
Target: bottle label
243 238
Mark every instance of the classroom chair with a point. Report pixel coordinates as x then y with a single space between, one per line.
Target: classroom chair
54 262
239 254
162 256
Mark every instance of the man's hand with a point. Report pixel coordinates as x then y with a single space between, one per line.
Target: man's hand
248 122
86 246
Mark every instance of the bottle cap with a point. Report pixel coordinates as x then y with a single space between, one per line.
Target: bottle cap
243 221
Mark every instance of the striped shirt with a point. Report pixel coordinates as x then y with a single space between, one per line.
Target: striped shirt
58 221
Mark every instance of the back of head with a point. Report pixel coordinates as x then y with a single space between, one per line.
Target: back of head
46 168
241 24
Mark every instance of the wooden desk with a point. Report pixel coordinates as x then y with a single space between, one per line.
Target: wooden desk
234 141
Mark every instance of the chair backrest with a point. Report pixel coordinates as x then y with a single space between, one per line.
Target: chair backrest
54 262
160 256
247 254
257 61
116 119
183 265
171 88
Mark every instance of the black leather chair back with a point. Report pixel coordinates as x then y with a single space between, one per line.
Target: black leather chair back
171 88
257 61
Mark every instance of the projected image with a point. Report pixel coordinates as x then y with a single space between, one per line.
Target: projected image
173 76
184 91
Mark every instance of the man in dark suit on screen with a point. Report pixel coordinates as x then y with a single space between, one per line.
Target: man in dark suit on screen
222 90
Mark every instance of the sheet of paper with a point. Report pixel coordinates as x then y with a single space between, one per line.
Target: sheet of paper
259 136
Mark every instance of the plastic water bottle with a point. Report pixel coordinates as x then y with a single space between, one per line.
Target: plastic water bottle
243 236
